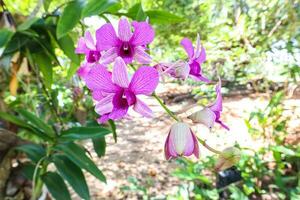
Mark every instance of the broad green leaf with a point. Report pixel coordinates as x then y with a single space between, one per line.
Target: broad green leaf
97 7
67 45
34 151
56 186
163 17
82 133
99 146
35 121
27 170
72 69
114 8
69 18
27 24
136 12
72 174
45 66
16 43
77 154
5 36
113 129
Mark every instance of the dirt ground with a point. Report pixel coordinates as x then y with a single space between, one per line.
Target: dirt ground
139 150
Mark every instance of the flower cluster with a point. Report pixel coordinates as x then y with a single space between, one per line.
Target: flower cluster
114 92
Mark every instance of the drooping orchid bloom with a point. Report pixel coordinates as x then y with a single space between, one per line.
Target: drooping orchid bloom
196 58
179 69
181 141
87 46
211 114
127 44
115 92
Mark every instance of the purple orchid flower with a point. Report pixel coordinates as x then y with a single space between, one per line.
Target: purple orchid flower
127 45
211 114
181 141
87 46
115 92
196 58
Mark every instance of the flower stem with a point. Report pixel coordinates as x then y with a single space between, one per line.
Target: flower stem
208 147
165 107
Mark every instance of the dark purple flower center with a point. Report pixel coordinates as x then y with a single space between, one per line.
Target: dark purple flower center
195 68
93 56
126 50
124 98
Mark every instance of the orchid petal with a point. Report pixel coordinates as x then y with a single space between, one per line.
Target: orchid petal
124 30
103 119
89 41
83 70
109 56
118 113
100 79
217 105
141 56
106 37
198 47
223 125
202 57
142 108
104 105
97 95
200 77
167 151
120 74
81 47
181 139
143 34
196 146
204 116
144 80
188 46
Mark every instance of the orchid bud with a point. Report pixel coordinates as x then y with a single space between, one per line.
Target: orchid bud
204 116
229 157
181 141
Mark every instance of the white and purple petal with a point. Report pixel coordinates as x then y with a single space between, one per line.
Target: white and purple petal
143 34
142 108
120 74
144 81
188 46
124 31
106 37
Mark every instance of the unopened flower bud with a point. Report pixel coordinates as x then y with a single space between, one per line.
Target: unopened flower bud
204 116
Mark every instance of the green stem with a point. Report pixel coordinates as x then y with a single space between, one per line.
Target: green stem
165 107
37 183
208 147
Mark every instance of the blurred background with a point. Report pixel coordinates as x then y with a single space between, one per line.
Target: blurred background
253 45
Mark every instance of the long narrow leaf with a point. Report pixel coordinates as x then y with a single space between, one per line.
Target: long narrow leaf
56 186
79 157
73 174
81 133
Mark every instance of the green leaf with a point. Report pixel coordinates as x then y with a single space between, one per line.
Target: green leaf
27 170
163 17
72 174
69 18
113 129
16 43
72 69
45 66
76 154
99 146
82 133
36 122
5 36
97 7
46 4
284 150
136 12
67 45
27 24
56 186
34 151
